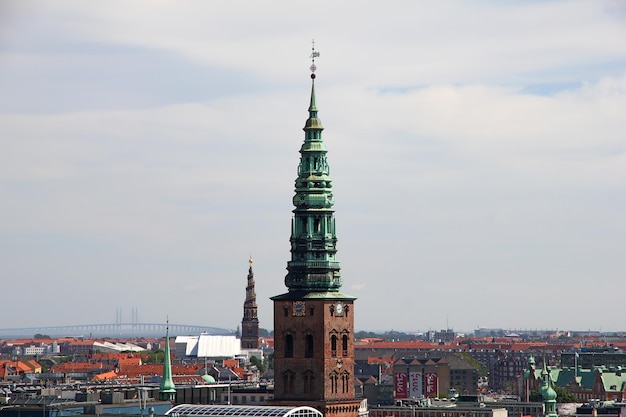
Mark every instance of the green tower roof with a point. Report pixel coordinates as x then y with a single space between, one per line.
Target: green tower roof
313 271
167 389
548 394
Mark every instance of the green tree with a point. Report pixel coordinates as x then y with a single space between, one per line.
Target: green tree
480 367
259 364
157 357
533 396
564 396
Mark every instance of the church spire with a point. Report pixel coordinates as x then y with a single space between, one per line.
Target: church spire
313 266
250 321
548 395
167 389
314 321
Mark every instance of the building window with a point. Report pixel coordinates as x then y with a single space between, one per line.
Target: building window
308 383
289 346
288 382
333 382
345 381
344 345
333 346
308 346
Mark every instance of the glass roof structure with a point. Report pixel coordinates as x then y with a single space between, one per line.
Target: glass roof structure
197 410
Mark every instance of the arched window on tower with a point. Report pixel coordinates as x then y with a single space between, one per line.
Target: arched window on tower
288 346
308 382
288 383
345 381
333 345
333 382
308 346
344 345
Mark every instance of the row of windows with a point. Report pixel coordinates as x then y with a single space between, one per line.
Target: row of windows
345 382
244 399
338 382
334 311
309 346
289 382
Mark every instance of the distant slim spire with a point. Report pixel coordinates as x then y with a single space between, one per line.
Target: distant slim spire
167 390
250 321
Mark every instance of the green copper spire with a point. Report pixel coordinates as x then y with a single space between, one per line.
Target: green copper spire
548 394
167 390
313 266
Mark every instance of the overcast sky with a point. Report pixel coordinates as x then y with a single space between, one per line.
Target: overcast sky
477 149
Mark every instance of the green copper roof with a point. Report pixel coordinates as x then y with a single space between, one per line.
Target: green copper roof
208 379
313 267
307 295
548 394
167 390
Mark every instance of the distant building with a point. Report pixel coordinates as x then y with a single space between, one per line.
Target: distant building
588 358
258 395
35 350
442 410
207 346
599 383
444 336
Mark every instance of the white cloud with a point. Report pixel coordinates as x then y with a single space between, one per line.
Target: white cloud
476 150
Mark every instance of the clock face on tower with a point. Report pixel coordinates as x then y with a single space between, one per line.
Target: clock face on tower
298 309
339 309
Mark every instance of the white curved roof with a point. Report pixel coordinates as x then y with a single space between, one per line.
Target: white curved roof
197 410
208 346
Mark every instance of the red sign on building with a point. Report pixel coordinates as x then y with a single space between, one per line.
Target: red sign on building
432 385
400 385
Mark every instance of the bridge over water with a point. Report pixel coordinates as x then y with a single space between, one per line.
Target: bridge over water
118 330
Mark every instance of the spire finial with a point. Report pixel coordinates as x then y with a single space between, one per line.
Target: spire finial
314 54
250 261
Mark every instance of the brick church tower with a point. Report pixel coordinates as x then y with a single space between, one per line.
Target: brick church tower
250 321
314 321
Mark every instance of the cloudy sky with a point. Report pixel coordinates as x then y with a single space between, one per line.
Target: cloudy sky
478 152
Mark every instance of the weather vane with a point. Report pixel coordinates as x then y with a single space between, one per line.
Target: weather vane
314 54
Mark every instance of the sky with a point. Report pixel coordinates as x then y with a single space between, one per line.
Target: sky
477 151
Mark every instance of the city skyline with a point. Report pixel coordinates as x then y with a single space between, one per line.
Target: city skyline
147 149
